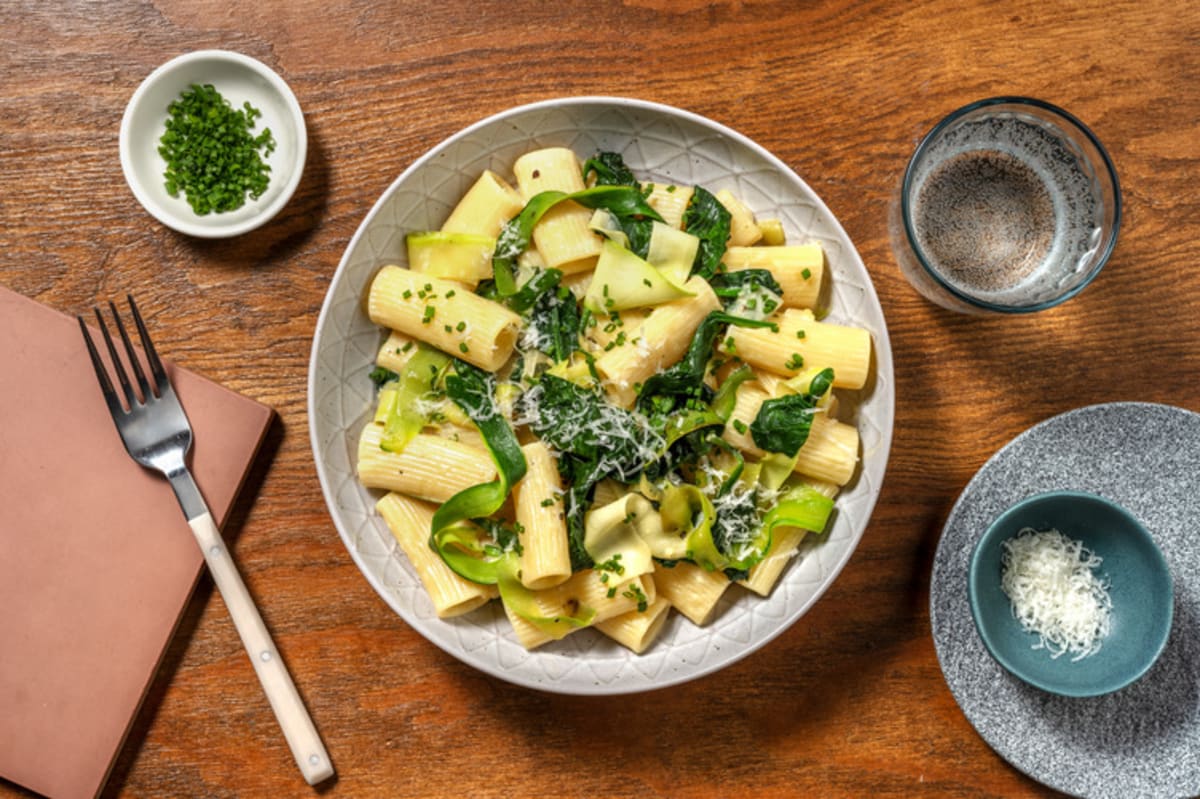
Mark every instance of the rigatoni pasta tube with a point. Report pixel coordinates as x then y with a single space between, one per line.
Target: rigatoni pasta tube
409 520
563 236
829 453
470 436
784 543
798 269
444 315
671 202
483 210
429 467
743 230
637 629
538 505
610 335
395 351
801 342
692 590
659 341
585 589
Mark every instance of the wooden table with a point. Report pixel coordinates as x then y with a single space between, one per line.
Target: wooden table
850 701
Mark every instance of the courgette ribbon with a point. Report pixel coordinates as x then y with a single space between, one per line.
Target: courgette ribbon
453 535
514 238
800 506
404 418
803 507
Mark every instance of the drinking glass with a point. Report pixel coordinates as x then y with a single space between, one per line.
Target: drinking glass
1008 205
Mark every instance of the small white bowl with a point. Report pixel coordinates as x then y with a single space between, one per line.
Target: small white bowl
239 79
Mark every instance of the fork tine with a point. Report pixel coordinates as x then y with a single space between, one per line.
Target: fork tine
106 386
156 367
122 377
134 361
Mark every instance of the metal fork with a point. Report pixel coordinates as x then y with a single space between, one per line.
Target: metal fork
156 432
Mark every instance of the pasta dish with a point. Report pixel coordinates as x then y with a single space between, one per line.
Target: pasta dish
601 399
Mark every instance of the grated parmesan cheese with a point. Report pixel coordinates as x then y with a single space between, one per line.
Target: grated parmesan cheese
1055 592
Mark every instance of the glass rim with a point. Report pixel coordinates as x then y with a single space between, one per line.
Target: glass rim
1072 122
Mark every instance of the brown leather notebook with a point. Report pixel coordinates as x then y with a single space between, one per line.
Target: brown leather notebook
96 560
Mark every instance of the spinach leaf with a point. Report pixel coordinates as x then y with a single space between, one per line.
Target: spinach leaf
556 316
685 380
580 423
610 170
707 219
381 374
638 231
533 290
549 308
594 440
783 423
730 286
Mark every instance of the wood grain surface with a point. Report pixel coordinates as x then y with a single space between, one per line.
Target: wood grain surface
850 702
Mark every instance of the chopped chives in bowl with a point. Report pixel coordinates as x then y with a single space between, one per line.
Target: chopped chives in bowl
212 154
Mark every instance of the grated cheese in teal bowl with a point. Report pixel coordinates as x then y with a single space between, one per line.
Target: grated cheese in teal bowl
1070 593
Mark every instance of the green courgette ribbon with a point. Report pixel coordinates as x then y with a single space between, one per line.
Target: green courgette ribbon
457 539
514 238
405 417
801 506
453 535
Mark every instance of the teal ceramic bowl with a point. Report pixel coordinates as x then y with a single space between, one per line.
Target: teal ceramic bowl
1140 587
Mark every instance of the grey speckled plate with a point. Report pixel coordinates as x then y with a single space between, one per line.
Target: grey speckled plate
1142 741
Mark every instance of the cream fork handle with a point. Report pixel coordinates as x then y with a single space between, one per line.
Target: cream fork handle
281 692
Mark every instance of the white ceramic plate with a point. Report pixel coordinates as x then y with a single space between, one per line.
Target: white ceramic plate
659 143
